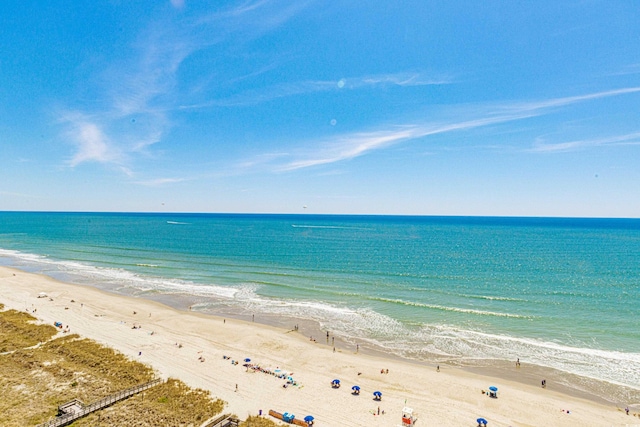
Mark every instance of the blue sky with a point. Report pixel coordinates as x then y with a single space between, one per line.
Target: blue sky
377 107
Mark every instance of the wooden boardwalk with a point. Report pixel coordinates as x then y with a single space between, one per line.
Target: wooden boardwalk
73 410
223 421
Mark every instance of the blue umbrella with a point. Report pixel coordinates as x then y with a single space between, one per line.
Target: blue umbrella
481 421
377 394
308 418
247 360
336 381
493 388
356 388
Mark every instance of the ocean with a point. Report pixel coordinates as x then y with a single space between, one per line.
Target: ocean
559 293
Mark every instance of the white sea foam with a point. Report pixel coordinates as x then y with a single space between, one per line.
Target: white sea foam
456 309
491 297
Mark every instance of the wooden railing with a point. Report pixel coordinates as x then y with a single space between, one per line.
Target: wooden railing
65 419
223 421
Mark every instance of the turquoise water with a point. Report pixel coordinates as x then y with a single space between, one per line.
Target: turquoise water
559 293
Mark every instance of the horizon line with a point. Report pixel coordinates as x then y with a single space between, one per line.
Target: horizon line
320 214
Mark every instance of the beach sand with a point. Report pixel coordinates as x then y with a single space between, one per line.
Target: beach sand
173 342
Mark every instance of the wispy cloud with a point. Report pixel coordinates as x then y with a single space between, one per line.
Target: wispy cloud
561 102
627 70
133 116
252 19
92 145
284 90
402 79
358 144
352 146
160 182
178 4
139 92
543 147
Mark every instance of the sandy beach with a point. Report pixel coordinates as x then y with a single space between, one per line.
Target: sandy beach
199 350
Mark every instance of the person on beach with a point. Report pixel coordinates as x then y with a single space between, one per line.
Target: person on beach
438 368
236 387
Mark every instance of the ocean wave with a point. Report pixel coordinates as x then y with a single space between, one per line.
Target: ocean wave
454 309
616 367
493 298
337 227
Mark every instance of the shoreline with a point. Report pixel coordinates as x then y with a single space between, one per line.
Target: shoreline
591 389
449 397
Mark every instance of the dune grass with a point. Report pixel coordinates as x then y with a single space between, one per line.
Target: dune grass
35 380
258 422
19 330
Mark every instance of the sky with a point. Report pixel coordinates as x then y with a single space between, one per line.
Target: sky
499 108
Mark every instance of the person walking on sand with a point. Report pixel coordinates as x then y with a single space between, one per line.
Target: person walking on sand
236 387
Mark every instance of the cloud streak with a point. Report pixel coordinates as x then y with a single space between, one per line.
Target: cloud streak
285 90
628 139
358 144
158 182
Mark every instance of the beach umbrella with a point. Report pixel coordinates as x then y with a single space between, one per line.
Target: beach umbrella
308 418
493 388
377 394
481 421
336 381
247 360
355 388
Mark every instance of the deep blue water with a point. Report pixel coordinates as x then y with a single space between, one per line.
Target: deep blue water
556 292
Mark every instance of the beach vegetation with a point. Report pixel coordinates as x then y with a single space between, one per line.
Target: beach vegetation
19 330
35 379
258 422
171 403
